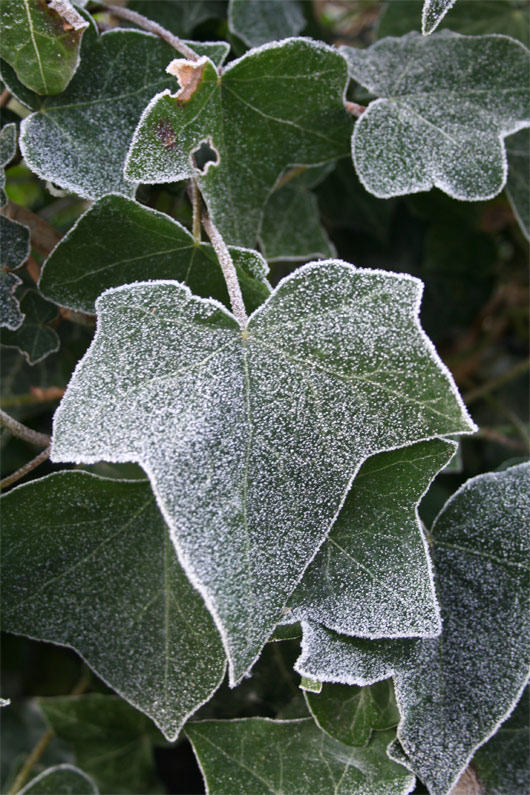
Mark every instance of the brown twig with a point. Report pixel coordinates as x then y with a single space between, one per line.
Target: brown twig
33 464
228 268
43 236
496 383
37 394
153 27
23 432
196 204
5 96
354 108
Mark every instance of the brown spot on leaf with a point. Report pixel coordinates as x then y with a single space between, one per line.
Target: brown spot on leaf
189 75
165 134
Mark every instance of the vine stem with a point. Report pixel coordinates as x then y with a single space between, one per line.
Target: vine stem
33 464
23 432
354 108
491 386
152 27
196 204
229 272
45 740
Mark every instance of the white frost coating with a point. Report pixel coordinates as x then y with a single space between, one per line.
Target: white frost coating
292 756
66 10
446 104
455 692
5 702
171 382
432 14
10 315
74 774
112 591
372 577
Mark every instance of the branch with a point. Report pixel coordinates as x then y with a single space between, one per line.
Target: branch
228 268
496 383
153 27
23 432
354 108
31 465
196 204
5 96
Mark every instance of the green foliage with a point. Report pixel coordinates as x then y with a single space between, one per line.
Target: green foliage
246 456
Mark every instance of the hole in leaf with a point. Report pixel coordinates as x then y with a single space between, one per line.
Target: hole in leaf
204 156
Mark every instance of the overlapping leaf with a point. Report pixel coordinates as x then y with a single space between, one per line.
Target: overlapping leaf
34 338
251 436
372 577
8 148
94 569
433 12
518 184
279 105
118 241
61 780
453 692
41 42
179 16
446 102
264 756
259 21
13 253
79 139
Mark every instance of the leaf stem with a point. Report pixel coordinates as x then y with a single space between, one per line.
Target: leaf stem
5 96
153 27
45 740
228 268
23 432
354 108
33 464
196 204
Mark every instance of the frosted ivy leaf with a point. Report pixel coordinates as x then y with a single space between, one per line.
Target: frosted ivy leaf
290 228
455 691
13 253
118 241
277 106
95 570
433 12
41 42
372 577
34 338
179 16
79 140
61 780
518 184
266 756
446 103
260 21
209 410
8 148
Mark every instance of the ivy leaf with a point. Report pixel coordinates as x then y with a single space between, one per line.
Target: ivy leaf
290 228
8 149
207 408
118 241
455 691
264 113
266 756
433 13
503 763
34 338
257 22
518 184
94 570
372 577
112 742
79 139
351 714
61 780
179 16
13 254
446 102
481 16
41 42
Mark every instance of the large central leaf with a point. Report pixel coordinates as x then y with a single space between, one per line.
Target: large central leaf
251 437
277 106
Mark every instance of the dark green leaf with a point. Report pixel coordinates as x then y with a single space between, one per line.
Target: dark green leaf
13 253
264 113
446 103
112 742
261 756
34 338
179 16
259 21
118 241
455 691
94 569
518 184
10 315
350 714
372 577
41 42
61 780
208 409
8 148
